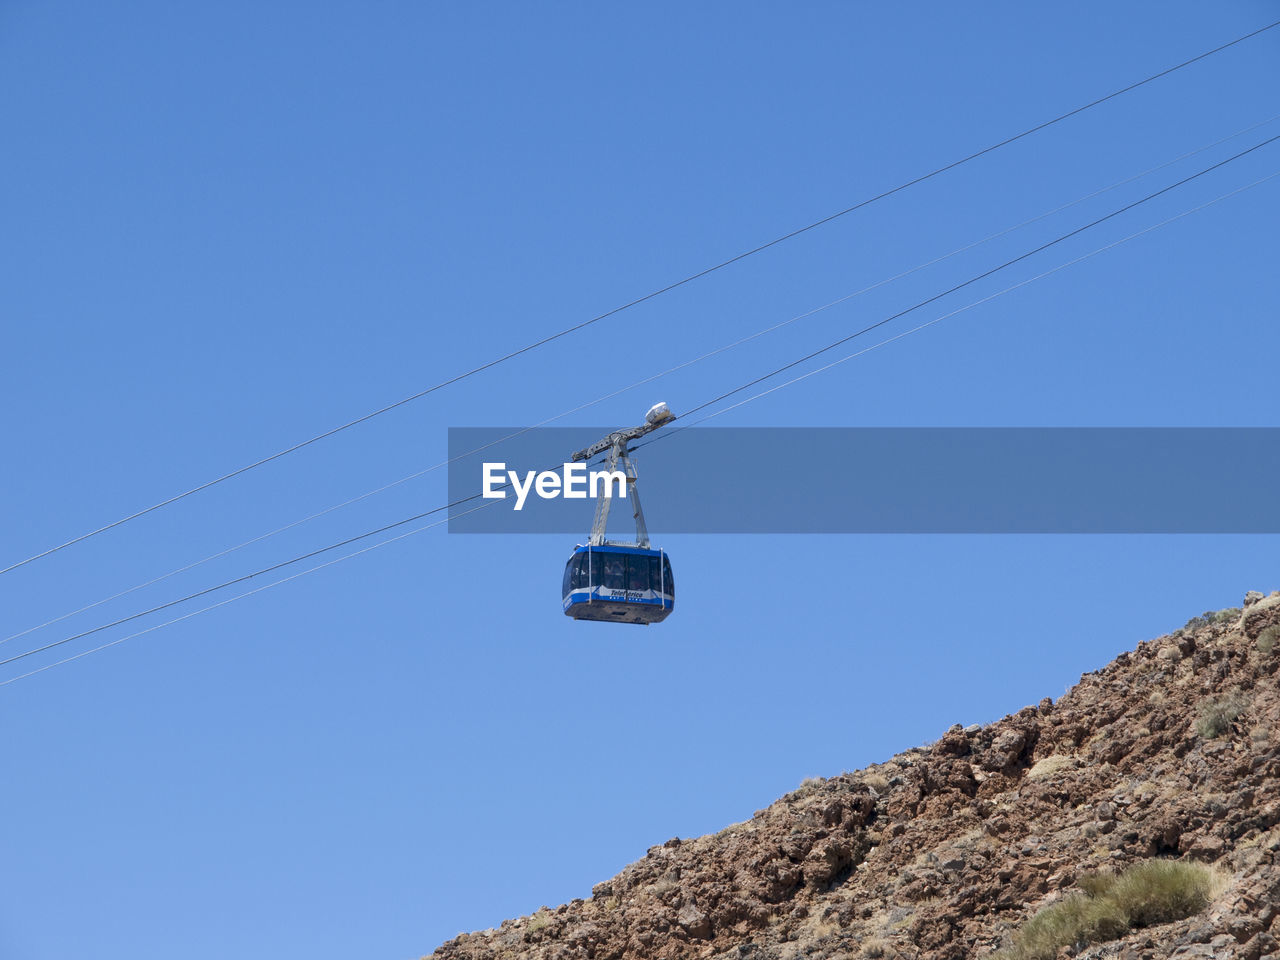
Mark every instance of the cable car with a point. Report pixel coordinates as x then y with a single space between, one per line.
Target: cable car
610 580
618 583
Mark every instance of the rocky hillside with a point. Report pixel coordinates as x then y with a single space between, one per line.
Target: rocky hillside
944 852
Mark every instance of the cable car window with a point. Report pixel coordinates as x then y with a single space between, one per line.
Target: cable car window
597 568
615 572
638 573
581 570
668 581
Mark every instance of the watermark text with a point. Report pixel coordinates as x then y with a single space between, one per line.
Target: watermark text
572 482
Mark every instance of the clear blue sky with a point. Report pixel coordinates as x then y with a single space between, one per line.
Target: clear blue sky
228 228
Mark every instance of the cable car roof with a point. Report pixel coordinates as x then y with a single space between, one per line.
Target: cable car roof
618 548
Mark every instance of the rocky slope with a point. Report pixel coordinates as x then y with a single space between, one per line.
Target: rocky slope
1173 750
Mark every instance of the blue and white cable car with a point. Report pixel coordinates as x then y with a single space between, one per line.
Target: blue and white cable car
621 584
610 580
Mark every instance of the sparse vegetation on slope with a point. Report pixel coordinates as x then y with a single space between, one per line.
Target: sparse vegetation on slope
1218 713
1267 640
1109 906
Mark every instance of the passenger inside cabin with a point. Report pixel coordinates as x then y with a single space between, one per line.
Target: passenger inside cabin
638 574
613 574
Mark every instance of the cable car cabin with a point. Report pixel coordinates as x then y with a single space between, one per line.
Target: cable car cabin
618 584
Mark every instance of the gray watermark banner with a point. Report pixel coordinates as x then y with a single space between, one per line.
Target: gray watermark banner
876 480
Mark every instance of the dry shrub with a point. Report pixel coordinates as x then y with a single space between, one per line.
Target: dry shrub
1109 906
1097 884
1050 766
1268 639
1217 713
1160 891
876 781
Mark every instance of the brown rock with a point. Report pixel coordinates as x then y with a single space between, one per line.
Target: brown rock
941 853
828 860
694 922
1259 616
1208 848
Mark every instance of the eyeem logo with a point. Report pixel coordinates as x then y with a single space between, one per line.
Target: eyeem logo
572 482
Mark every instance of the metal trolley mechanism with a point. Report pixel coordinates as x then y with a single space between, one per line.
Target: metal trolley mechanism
612 580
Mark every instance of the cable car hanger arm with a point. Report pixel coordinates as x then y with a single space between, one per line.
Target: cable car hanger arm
658 415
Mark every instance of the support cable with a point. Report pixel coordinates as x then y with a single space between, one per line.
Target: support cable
649 379
473 497
639 300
